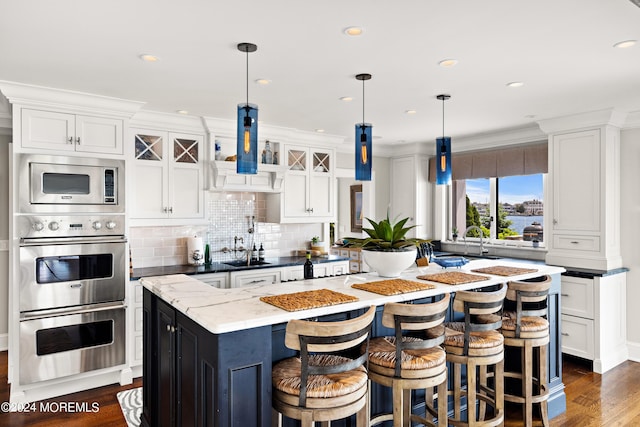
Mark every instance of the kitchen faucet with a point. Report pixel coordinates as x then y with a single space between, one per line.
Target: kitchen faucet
464 237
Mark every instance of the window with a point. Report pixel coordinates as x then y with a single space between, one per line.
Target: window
508 209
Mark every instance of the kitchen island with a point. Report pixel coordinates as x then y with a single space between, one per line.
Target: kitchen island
208 352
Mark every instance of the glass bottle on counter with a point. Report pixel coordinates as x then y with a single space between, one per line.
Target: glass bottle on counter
268 154
308 267
261 253
254 253
207 255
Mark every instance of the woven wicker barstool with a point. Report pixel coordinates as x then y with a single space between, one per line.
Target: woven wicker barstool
324 383
412 359
527 328
477 344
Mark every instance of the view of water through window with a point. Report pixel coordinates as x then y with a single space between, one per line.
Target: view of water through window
520 207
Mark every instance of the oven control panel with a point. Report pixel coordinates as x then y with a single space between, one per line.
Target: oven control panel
34 226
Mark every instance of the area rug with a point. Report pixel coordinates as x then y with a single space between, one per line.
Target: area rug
131 405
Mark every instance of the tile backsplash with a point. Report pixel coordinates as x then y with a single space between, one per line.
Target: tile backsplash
229 215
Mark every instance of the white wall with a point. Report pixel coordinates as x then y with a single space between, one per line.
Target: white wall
4 237
630 235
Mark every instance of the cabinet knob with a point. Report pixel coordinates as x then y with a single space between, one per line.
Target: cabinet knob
70 140
171 210
168 328
78 140
555 221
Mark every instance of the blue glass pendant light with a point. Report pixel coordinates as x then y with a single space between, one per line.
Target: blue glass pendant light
247 145
363 141
443 152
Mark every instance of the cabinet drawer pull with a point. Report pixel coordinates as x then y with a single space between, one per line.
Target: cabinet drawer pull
574 242
78 140
564 334
564 295
70 140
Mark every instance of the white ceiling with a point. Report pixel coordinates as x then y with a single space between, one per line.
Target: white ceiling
561 50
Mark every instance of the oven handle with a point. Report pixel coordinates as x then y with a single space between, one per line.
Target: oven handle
81 309
41 241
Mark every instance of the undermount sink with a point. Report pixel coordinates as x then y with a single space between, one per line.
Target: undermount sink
243 263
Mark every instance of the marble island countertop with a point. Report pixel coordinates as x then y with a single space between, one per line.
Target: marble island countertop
227 310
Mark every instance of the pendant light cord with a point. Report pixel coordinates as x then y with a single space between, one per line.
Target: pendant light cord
363 102
247 53
443 120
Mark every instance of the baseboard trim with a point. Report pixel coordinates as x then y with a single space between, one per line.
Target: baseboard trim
634 351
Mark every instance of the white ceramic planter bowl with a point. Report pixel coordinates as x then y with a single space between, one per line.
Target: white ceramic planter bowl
389 264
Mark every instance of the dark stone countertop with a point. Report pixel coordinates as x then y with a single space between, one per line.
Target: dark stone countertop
219 267
587 273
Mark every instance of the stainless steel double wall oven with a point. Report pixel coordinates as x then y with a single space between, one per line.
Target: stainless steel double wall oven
73 266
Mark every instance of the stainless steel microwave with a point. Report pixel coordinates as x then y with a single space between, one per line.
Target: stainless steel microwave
70 184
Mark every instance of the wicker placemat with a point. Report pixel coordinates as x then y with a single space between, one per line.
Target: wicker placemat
308 299
503 270
453 278
392 286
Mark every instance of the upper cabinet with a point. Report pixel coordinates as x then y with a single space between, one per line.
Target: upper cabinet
409 193
308 193
584 186
168 175
50 130
47 120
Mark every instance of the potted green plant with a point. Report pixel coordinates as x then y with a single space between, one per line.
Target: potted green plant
387 250
454 233
317 245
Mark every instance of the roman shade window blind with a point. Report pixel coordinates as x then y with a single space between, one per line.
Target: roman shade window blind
509 161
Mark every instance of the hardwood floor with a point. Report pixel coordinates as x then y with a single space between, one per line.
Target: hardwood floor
593 400
109 413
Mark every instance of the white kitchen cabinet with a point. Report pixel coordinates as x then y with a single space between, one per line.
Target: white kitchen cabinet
134 333
409 193
63 132
594 319
583 197
217 280
261 276
308 190
168 175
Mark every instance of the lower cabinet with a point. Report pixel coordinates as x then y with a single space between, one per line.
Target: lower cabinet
192 377
594 319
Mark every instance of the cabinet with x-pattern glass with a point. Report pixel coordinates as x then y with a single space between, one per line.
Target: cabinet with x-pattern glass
308 187
168 175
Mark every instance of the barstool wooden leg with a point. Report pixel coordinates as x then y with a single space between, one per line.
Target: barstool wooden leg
483 382
471 392
442 404
499 389
544 414
457 390
527 383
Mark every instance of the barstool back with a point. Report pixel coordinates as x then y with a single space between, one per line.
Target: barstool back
309 337
487 304
423 321
530 297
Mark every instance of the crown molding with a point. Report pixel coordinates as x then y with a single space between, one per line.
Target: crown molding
66 100
173 121
590 119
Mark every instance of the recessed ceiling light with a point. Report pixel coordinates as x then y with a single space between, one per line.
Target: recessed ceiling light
263 82
320 130
625 44
410 112
182 112
446 63
353 31
149 58
515 84
346 99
